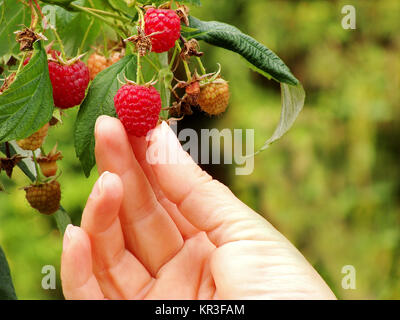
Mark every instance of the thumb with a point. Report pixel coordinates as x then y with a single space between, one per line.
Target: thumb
206 203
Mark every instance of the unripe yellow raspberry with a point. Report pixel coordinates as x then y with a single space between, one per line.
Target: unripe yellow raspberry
214 97
97 63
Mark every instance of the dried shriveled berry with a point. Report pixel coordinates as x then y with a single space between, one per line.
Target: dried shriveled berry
34 141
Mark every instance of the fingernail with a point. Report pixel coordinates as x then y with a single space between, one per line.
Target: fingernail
69 231
98 186
98 121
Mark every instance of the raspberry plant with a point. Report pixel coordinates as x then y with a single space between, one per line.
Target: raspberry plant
132 49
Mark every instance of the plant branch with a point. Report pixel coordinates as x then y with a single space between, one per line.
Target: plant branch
185 64
202 69
97 16
85 36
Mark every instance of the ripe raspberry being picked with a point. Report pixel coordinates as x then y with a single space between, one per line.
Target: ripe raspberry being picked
138 107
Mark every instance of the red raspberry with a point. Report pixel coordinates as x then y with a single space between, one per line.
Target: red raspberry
167 23
69 83
138 108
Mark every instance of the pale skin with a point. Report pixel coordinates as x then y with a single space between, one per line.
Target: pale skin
169 231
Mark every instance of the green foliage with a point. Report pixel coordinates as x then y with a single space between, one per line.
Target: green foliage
13 15
62 219
28 103
99 101
63 3
123 7
292 103
229 37
7 291
159 2
262 60
191 2
75 28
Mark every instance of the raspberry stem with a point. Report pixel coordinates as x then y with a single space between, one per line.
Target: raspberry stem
21 62
38 179
95 15
108 14
173 56
138 68
59 42
85 36
202 69
8 153
34 16
185 64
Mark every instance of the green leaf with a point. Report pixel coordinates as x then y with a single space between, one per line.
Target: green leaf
99 101
292 103
62 219
27 104
159 2
13 14
7 291
229 37
123 7
72 27
194 2
63 3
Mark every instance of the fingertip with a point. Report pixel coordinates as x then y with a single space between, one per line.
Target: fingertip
109 184
75 235
161 132
101 119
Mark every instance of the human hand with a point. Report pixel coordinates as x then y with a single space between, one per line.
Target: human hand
169 231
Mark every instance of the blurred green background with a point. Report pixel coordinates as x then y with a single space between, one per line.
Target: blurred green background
331 185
